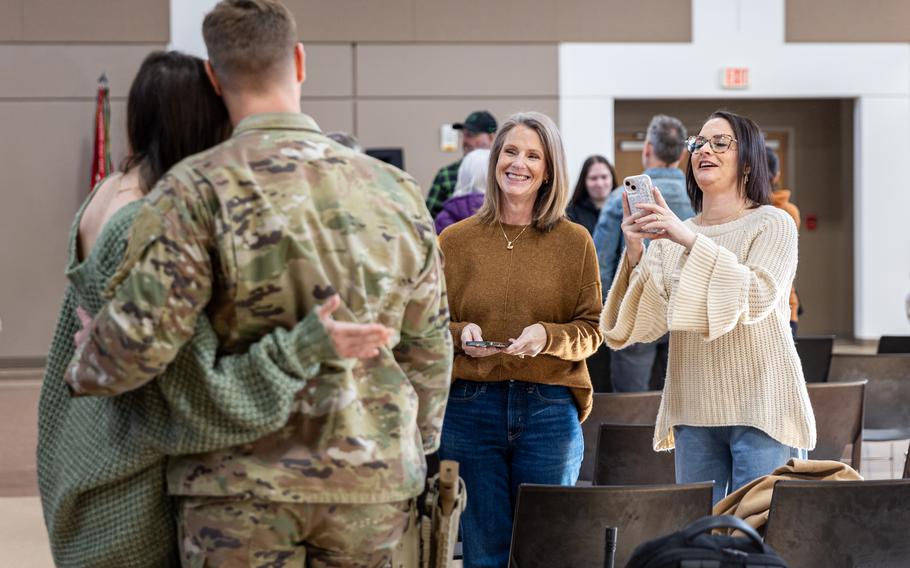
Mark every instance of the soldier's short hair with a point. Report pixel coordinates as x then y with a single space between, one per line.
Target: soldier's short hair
667 136
249 42
553 195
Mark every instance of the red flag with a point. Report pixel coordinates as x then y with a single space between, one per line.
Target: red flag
101 150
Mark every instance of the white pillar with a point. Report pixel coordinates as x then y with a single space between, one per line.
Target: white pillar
587 128
186 25
881 216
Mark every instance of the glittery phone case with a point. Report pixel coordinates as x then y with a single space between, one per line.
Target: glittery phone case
639 190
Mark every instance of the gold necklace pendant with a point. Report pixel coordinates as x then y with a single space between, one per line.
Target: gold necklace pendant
509 245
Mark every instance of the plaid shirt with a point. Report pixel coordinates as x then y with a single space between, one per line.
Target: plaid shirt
443 187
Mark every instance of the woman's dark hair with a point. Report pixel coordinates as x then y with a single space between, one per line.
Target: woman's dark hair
172 112
750 145
581 188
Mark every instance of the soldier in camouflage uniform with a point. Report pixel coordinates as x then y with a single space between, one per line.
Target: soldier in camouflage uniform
257 231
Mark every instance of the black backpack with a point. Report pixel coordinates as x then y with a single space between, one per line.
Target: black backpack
695 547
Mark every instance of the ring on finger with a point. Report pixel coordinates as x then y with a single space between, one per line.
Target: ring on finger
659 217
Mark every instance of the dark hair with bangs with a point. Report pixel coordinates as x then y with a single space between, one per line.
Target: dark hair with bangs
172 112
750 145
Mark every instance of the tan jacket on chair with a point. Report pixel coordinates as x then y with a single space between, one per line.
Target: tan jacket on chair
752 501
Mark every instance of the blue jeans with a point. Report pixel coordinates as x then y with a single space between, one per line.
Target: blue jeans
504 434
641 366
731 456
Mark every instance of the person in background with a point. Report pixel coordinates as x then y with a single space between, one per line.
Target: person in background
735 405
102 461
642 366
469 190
520 274
780 198
477 131
345 139
595 182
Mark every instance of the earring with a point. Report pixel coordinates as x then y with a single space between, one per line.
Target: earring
745 179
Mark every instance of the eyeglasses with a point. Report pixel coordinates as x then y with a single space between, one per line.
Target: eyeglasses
720 143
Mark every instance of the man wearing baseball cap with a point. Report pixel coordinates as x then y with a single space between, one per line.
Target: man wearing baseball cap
477 131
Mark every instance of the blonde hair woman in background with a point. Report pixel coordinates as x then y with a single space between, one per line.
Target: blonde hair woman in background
522 275
469 190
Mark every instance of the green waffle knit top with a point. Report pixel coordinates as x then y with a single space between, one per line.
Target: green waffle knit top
102 461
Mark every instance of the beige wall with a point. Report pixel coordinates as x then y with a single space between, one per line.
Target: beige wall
485 21
19 391
399 95
405 93
821 167
847 21
51 55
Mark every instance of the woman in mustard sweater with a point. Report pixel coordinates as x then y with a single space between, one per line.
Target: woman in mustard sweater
521 275
734 404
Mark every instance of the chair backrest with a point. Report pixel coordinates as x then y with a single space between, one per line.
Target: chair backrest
565 526
841 523
625 456
887 414
815 355
894 344
838 409
616 408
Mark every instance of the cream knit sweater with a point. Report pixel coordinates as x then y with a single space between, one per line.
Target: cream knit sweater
732 357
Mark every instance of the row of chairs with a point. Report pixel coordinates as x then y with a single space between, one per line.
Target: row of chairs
879 411
829 524
619 433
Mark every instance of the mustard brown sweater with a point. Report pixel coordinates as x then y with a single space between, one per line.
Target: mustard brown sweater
549 278
725 304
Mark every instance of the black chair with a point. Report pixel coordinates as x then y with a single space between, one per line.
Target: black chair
815 356
616 408
625 456
838 409
894 344
561 527
887 413
834 524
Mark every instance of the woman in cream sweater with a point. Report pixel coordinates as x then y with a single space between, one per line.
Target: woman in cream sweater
735 404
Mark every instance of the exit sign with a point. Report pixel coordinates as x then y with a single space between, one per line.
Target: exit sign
735 78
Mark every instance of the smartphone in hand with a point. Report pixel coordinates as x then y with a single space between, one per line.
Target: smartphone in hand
496 344
639 189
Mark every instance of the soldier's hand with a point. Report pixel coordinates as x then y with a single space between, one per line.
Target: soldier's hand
352 340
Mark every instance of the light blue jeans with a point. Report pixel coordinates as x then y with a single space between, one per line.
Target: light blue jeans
730 456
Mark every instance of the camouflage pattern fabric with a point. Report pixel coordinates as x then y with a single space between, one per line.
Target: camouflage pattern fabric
257 231
245 533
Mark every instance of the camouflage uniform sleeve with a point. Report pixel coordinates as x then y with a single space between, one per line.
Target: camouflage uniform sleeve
155 297
425 349
214 403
